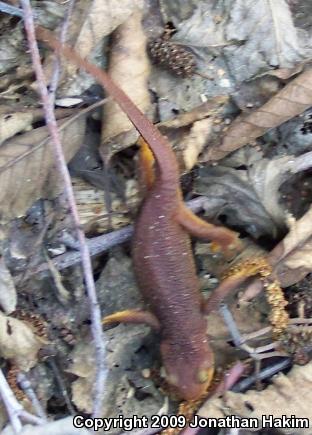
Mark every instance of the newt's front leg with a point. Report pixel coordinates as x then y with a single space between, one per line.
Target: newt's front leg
133 316
226 240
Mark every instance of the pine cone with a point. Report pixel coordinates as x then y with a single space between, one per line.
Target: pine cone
173 57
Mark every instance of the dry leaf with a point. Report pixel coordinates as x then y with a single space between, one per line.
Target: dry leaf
220 337
18 342
212 108
91 21
93 212
100 19
189 132
26 167
11 53
194 142
286 396
293 256
122 344
247 197
14 122
292 100
8 297
265 37
266 177
129 67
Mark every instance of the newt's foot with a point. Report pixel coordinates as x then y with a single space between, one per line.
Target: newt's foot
229 251
223 239
133 316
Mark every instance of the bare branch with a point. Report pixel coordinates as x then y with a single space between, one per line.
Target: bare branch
103 243
14 409
96 326
11 404
57 64
28 390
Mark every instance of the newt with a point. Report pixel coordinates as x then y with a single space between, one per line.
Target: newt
161 251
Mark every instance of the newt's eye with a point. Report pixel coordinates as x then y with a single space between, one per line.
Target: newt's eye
204 375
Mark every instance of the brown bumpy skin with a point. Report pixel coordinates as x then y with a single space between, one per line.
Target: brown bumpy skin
165 271
162 255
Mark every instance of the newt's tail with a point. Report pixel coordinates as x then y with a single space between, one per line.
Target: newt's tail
159 145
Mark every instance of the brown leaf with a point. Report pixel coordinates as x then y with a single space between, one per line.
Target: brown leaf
189 132
294 252
27 163
248 197
14 119
93 212
129 67
18 342
100 19
91 21
14 122
291 258
292 100
194 142
286 396
212 107
8 297
122 343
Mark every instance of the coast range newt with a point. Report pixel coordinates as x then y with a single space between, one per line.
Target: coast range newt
161 251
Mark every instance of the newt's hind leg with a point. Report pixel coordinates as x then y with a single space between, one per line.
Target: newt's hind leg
146 164
225 240
133 316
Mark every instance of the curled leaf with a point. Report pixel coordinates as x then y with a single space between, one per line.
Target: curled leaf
247 197
292 100
91 21
129 68
27 162
265 37
8 297
293 255
286 396
18 342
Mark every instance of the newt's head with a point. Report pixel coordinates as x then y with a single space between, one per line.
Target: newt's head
189 371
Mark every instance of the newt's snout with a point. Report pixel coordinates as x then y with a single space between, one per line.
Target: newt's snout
190 373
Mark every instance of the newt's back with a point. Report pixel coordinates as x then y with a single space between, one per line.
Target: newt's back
166 274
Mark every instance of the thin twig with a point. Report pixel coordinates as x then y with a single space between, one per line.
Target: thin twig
96 326
11 10
30 418
14 409
55 76
100 244
26 386
61 384
256 334
97 245
11 404
230 378
256 353
231 325
263 374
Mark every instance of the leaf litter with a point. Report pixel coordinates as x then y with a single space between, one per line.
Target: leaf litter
252 117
